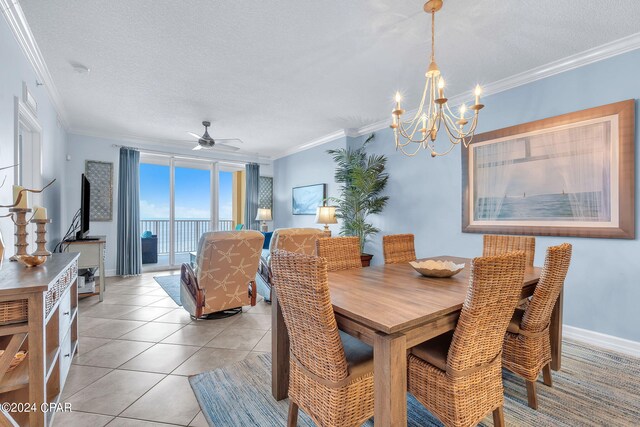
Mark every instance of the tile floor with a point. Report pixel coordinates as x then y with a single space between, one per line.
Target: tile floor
137 349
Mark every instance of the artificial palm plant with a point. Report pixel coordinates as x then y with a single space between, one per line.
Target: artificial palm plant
362 180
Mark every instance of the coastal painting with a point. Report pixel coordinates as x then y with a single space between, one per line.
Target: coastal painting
568 175
305 200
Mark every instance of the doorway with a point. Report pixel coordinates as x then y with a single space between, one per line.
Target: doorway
28 158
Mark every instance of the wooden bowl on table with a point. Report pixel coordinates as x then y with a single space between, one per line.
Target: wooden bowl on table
436 268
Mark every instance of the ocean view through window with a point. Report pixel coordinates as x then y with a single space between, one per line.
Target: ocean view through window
191 214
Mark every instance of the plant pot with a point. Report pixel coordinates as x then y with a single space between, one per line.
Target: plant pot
366 259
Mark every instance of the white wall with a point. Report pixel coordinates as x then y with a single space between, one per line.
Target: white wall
14 69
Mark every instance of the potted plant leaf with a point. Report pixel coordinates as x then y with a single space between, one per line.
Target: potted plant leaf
362 180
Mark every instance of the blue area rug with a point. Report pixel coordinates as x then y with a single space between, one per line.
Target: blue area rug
240 395
594 387
171 285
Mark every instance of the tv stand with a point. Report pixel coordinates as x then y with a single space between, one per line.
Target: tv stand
92 255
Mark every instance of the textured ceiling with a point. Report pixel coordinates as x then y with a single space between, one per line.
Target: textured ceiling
280 73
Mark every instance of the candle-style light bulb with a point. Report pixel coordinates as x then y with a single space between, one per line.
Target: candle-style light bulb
398 98
424 123
441 88
478 92
463 109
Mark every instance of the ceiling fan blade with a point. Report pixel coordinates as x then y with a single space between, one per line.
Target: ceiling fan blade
229 140
196 136
225 148
197 147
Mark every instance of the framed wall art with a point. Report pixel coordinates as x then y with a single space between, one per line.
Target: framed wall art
265 193
305 200
569 175
100 176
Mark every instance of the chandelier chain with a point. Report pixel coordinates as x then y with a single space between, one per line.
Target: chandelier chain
433 35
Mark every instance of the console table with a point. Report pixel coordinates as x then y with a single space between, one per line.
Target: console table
38 314
92 255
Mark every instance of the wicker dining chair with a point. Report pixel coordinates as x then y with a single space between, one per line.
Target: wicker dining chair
527 348
330 372
398 248
341 253
496 245
457 376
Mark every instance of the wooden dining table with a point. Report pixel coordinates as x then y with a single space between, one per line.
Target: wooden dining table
393 308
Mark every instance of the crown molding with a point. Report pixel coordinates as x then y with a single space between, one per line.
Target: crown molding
342 133
175 145
599 53
14 16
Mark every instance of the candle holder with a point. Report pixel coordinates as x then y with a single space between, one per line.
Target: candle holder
41 237
21 231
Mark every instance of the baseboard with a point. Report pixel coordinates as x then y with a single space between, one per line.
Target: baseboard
609 342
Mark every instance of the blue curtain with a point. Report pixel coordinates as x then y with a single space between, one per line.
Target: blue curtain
251 202
129 260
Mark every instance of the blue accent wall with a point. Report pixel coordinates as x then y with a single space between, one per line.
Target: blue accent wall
312 166
602 290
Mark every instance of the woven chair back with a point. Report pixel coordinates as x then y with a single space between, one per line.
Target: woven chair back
556 265
398 248
497 245
302 290
495 285
341 253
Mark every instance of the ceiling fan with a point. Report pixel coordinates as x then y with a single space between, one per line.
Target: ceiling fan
206 142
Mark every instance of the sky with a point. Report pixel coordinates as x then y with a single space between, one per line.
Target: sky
192 193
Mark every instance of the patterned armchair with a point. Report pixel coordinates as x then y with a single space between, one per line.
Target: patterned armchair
224 276
296 240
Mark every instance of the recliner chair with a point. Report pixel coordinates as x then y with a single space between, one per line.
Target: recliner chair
224 275
296 240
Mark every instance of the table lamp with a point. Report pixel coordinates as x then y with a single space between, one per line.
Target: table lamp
326 215
264 215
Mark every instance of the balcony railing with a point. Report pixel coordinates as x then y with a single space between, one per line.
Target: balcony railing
187 232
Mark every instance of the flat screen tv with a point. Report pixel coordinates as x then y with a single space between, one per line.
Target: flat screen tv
85 210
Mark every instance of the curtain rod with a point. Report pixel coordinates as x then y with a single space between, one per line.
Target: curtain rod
186 156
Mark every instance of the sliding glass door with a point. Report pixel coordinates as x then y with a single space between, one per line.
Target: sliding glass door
225 201
155 210
178 202
193 213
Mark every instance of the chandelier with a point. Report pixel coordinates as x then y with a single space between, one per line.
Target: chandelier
434 113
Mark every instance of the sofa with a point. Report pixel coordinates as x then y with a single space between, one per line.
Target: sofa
297 240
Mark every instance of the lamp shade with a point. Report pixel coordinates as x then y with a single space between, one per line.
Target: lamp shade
264 214
326 215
